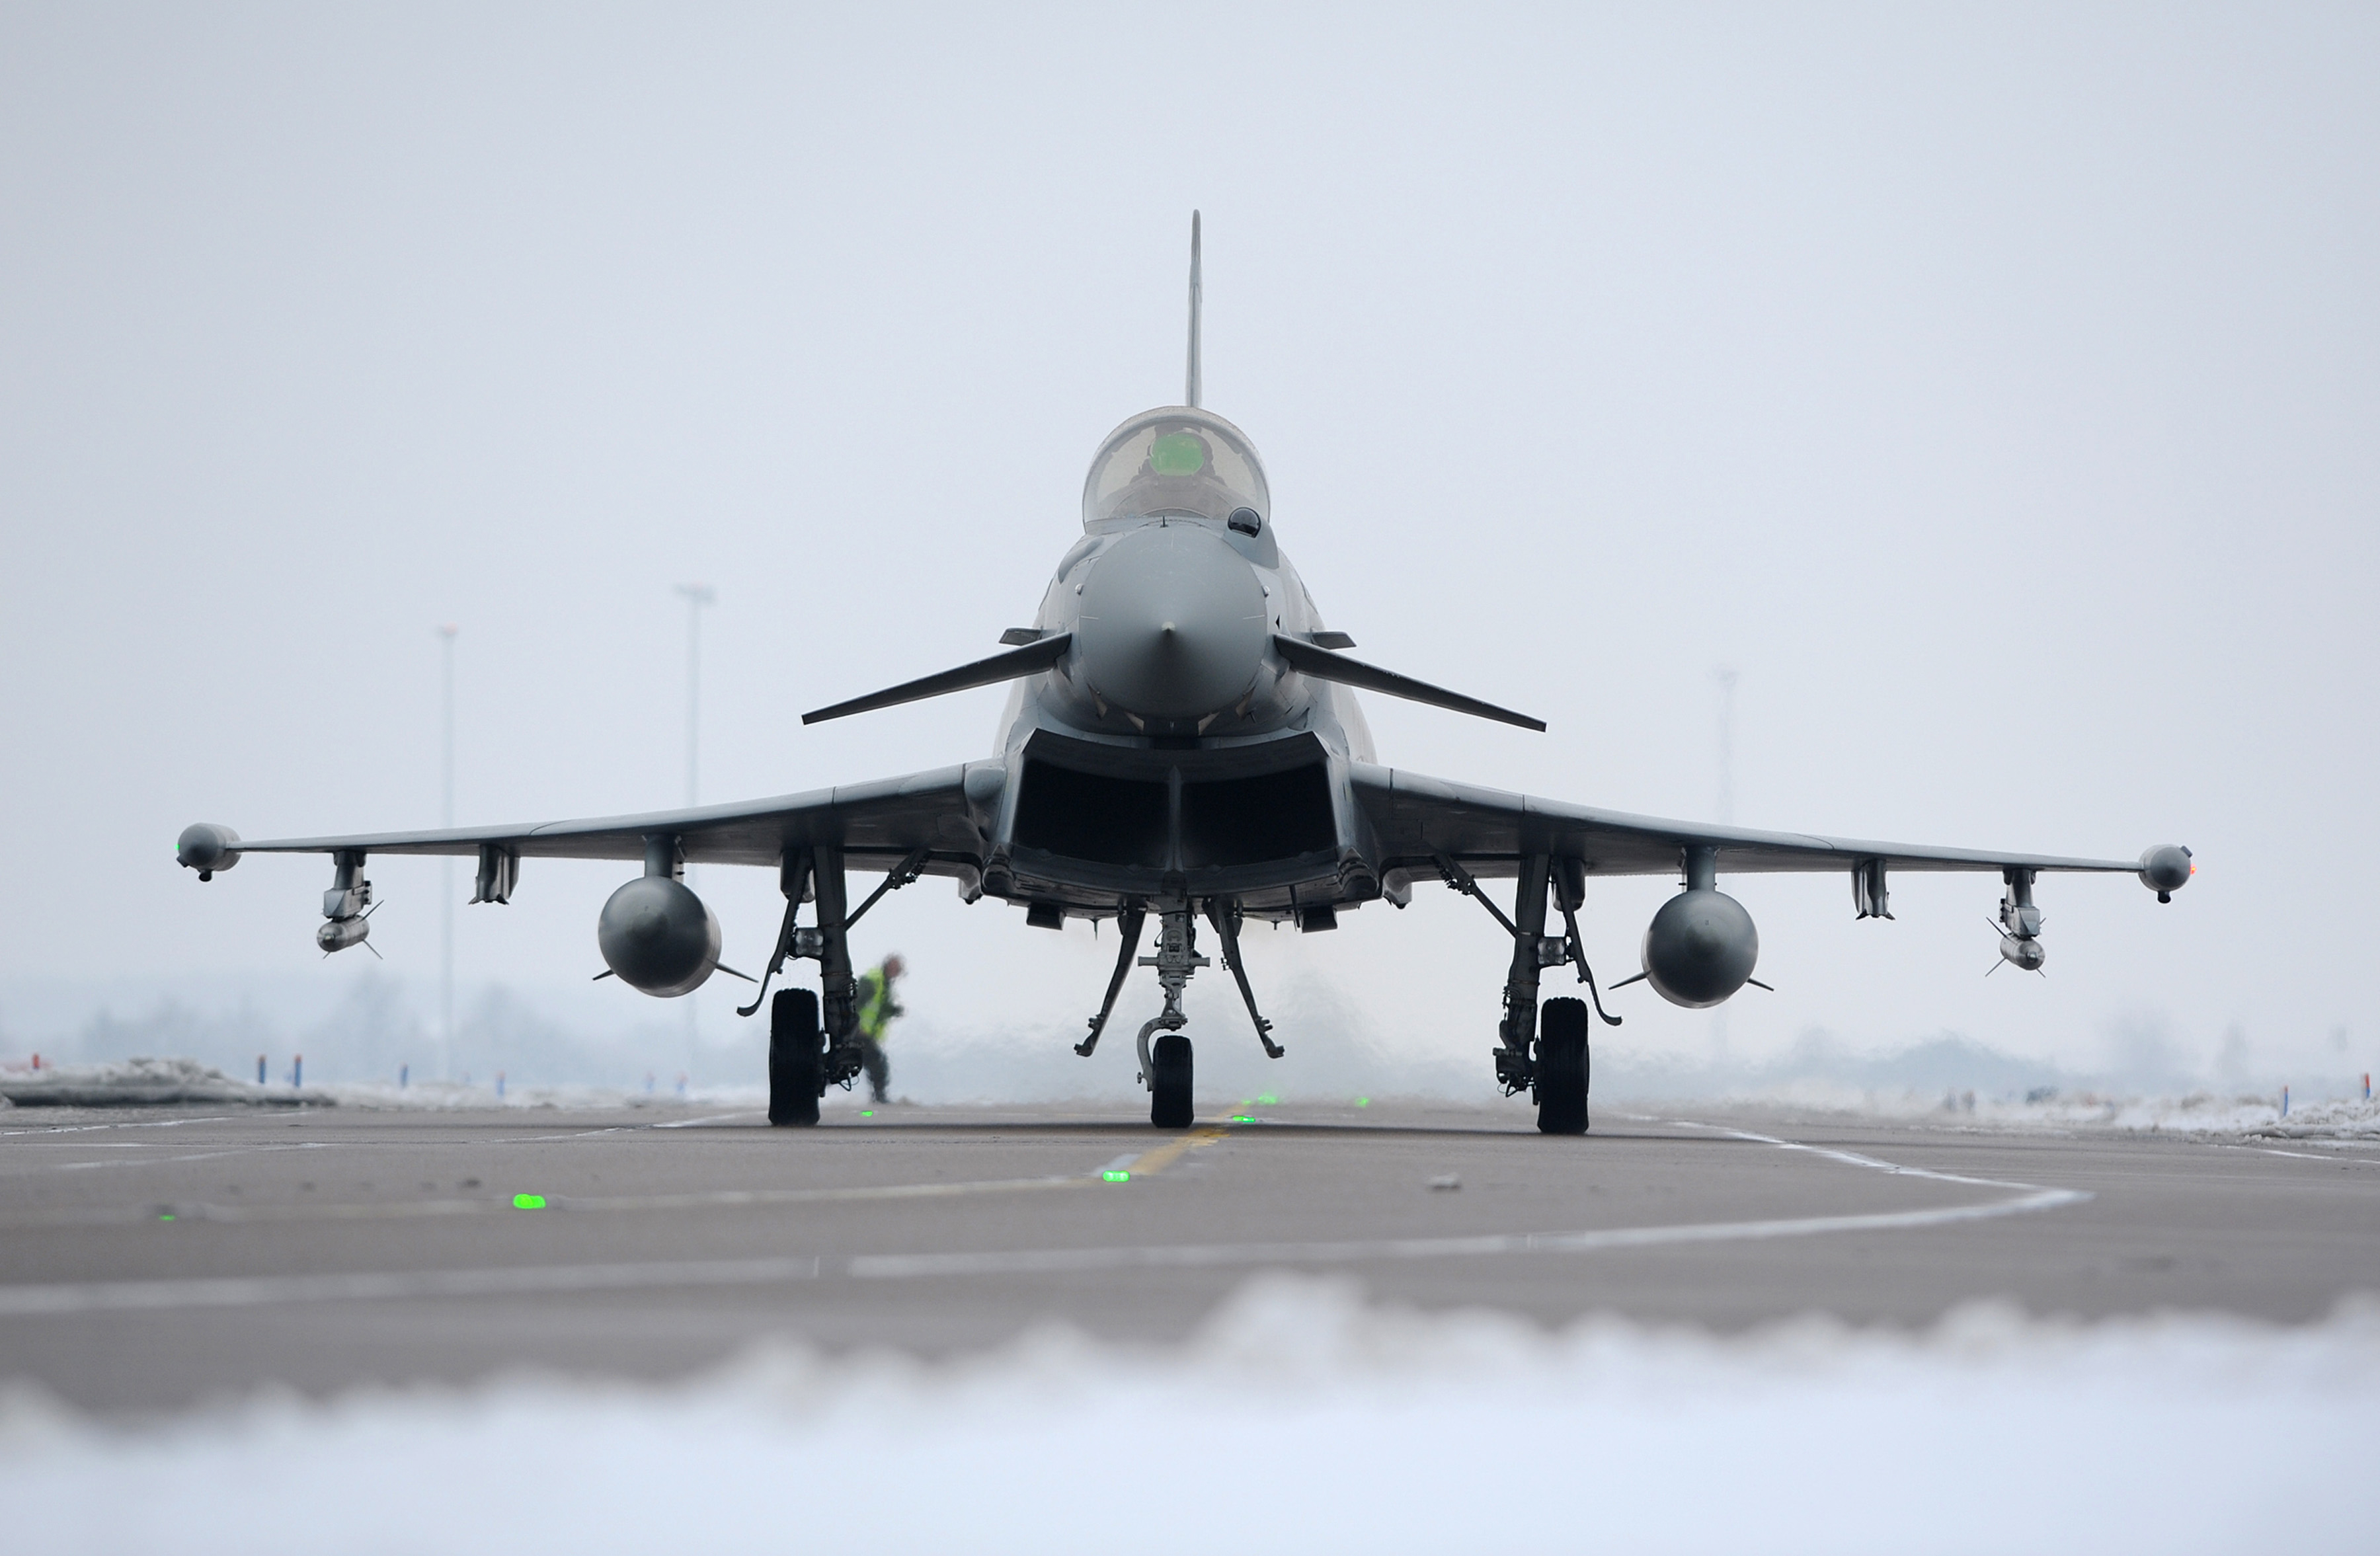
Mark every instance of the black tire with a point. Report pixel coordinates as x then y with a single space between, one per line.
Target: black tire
1169 1090
795 1081
1561 1067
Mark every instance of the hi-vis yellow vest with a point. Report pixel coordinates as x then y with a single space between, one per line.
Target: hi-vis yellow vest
873 1017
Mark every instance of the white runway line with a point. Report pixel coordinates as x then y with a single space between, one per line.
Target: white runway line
128 1297
2304 1156
410 1210
195 1156
1213 1255
26 1301
86 1128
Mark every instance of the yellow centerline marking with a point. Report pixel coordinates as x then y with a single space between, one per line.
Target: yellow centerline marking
1147 1164
1150 1163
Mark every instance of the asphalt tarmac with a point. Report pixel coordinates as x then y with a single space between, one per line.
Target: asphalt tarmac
154 1257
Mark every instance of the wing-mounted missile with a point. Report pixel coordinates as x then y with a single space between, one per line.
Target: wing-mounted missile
337 934
2020 923
206 848
346 905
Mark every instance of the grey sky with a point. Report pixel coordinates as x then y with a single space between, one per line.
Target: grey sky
1995 391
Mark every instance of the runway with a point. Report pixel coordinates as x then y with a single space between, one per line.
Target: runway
154 1258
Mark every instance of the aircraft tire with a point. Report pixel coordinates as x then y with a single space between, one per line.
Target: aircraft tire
793 1058
1561 1067
1169 1090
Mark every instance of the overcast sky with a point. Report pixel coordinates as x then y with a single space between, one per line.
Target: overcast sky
1994 391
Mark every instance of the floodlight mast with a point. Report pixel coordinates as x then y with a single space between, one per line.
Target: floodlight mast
446 865
697 595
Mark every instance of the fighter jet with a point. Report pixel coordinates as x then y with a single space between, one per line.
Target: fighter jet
1181 742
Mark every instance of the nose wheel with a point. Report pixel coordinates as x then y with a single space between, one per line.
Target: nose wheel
1169 1082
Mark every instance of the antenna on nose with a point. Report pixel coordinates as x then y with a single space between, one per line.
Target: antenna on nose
1190 395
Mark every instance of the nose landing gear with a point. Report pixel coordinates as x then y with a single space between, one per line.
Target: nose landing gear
1165 1064
1168 1083
1166 1072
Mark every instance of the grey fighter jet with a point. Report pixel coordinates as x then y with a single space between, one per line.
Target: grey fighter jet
1180 742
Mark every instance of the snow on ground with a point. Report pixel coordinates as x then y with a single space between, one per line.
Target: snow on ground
161 1081
444 1095
140 1082
2200 1113
2195 1113
1299 1418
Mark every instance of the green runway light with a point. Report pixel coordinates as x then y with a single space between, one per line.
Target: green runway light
1242 1118
1267 1100
1363 1102
1117 1177
867 1112
164 1215
528 1201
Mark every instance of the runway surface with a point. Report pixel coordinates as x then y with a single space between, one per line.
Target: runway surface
153 1257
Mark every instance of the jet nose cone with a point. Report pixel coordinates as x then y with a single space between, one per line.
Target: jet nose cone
1173 623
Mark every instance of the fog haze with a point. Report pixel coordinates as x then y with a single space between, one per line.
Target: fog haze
1995 393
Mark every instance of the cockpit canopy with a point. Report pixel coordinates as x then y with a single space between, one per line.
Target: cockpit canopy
1177 461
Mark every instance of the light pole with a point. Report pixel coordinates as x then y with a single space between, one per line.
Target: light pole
447 864
1726 679
696 597
1725 676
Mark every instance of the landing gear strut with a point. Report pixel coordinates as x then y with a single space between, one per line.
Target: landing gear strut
1546 1058
1225 917
803 1058
1166 1073
1128 924
1165 1066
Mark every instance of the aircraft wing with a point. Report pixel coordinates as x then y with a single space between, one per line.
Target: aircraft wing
1488 831
889 819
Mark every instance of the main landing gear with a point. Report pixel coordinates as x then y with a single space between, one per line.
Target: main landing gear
1561 1068
814 1042
1547 1060
1166 1065
796 1075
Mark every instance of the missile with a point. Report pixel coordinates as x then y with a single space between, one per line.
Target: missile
2027 953
337 934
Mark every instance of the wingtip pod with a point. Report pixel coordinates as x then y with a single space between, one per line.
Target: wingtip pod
2166 869
206 848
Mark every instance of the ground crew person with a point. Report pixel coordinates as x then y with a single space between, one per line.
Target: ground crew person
877 1009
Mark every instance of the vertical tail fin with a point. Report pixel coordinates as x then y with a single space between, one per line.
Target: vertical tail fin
1190 395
